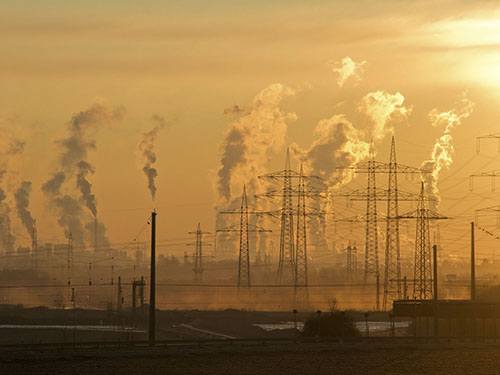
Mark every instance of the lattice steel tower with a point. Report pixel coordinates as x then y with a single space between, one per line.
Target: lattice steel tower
301 245
371 225
198 254
422 287
392 248
244 256
286 265
422 274
244 228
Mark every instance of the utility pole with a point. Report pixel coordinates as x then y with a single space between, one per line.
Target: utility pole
69 261
472 264
152 304
120 295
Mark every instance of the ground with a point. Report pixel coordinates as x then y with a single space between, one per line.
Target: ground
288 359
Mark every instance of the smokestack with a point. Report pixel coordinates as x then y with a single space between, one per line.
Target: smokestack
95 234
436 315
153 281
472 264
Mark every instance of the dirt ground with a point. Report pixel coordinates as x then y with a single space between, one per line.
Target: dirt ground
288 359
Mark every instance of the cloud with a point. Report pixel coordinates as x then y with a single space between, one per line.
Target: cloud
443 151
381 107
347 68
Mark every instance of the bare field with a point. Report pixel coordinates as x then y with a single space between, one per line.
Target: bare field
288 359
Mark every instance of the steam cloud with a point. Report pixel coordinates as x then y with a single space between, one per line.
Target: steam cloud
252 139
85 187
337 144
347 68
22 197
382 107
249 143
11 147
147 150
442 152
73 163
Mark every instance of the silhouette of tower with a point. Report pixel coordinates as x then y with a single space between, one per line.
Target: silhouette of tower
422 287
244 255
371 237
286 265
243 229
198 254
301 245
70 256
392 246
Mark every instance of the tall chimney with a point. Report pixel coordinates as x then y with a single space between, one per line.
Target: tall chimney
95 234
152 282
472 264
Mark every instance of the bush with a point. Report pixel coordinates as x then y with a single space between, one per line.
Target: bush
330 324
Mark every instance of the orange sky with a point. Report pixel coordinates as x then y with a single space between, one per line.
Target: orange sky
188 62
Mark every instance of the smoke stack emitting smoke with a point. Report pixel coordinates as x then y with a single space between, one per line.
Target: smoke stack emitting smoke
147 150
442 152
73 163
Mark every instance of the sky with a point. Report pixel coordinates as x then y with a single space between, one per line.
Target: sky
190 62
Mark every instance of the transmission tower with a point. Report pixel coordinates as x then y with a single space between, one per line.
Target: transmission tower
489 136
422 275
351 260
243 229
198 254
371 225
392 246
286 256
301 244
392 266
287 266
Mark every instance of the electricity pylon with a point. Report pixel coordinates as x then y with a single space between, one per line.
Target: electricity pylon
422 276
489 136
243 229
392 266
287 265
198 254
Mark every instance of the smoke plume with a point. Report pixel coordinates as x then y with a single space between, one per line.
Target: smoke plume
347 68
147 150
337 144
22 198
443 151
249 143
382 107
84 168
73 163
251 140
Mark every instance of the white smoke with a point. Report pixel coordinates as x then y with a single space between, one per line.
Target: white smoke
73 163
347 68
443 151
381 107
250 142
147 151
338 144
